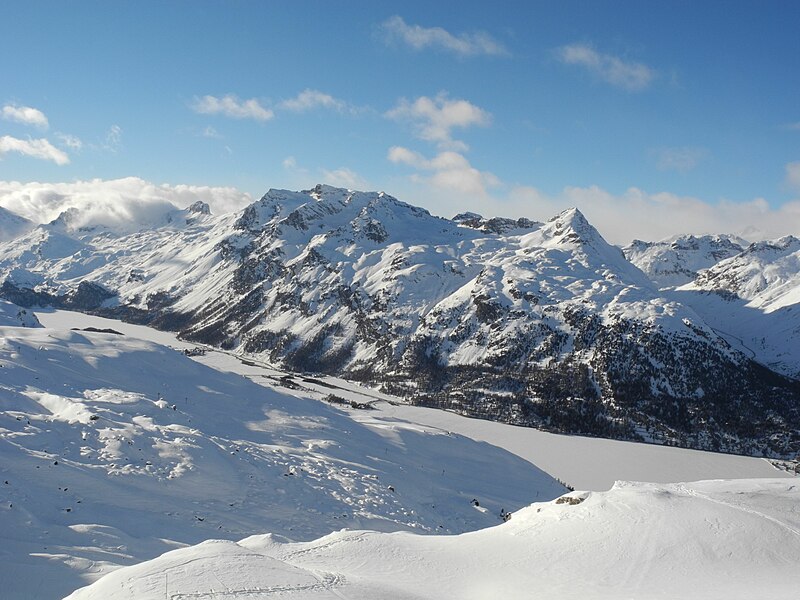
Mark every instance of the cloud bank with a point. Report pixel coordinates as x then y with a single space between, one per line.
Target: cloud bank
420 38
620 218
125 204
445 184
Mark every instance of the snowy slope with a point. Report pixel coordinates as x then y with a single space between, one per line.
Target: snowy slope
536 324
713 539
677 260
586 463
12 225
12 315
142 270
114 450
754 299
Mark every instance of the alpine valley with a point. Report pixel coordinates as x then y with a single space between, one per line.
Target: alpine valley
692 341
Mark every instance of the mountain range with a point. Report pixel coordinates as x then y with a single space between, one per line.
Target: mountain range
692 341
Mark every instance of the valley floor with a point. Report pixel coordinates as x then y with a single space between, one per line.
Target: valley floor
582 462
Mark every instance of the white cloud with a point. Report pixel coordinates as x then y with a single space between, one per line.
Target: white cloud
792 126
310 99
210 132
628 75
26 115
419 38
289 163
41 149
448 184
681 160
121 203
434 119
647 216
448 171
793 175
345 178
231 106
70 141
113 140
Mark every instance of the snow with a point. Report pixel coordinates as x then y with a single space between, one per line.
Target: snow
583 462
12 225
712 539
12 315
678 259
116 449
751 300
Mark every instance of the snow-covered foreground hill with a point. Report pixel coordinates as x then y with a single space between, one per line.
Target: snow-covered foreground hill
114 450
706 540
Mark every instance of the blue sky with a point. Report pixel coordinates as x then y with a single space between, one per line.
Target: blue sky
639 112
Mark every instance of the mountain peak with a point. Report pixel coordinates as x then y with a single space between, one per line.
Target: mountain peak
570 226
572 217
200 208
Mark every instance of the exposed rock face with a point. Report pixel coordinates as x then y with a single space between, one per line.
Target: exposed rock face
531 323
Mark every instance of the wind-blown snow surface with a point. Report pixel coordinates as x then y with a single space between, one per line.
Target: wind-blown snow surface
706 540
114 450
234 458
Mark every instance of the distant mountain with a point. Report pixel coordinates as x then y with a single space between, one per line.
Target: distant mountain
753 299
677 260
536 324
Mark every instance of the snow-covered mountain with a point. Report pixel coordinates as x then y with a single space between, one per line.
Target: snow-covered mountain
12 225
677 260
713 539
752 298
530 323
